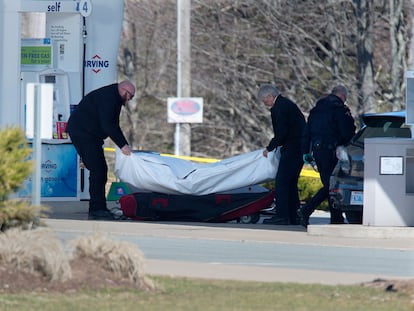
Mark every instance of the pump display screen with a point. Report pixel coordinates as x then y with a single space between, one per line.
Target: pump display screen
50 79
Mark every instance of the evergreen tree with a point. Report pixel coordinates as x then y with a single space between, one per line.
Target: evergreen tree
14 170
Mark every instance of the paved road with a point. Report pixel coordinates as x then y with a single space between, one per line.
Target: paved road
325 254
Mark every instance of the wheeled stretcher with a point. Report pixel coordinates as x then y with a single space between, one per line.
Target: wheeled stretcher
167 188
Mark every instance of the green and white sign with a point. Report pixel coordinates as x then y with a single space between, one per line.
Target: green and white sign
36 55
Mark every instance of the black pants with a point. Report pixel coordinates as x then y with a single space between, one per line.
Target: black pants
325 160
92 154
286 185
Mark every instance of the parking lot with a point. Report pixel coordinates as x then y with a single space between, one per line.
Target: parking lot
326 254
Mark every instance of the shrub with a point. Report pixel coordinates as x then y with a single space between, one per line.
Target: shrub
307 187
35 251
123 258
14 169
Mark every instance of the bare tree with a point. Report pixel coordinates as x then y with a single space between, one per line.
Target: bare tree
364 46
148 56
398 40
304 47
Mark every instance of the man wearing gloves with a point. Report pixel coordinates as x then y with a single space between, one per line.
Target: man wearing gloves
330 124
288 124
94 119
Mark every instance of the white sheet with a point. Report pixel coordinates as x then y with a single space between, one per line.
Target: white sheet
153 172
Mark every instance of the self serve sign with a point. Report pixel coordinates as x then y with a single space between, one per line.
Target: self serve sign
54 7
84 7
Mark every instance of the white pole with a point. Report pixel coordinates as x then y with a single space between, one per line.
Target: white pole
11 112
179 61
179 56
183 131
177 139
37 146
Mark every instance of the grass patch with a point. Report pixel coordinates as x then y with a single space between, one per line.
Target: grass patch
195 294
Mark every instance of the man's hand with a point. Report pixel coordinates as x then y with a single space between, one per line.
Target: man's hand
308 158
265 152
126 150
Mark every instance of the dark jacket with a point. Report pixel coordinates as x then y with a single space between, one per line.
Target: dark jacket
97 116
329 125
288 124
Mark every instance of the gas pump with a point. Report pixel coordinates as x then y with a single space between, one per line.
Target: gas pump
61 104
76 54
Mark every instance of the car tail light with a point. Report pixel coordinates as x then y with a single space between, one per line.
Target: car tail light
335 192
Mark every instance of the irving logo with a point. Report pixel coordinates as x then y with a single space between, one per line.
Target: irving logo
96 63
48 166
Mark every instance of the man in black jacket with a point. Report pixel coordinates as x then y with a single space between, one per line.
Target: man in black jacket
95 119
288 124
330 124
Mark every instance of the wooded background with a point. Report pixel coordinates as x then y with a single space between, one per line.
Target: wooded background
303 47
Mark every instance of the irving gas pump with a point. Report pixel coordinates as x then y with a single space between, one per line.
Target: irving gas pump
76 53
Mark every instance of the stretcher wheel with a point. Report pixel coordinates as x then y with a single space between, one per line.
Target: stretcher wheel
250 219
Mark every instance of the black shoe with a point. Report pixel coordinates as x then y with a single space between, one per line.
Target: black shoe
303 218
337 222
276 221
100 215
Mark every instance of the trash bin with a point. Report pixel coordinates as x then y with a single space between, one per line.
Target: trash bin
389 182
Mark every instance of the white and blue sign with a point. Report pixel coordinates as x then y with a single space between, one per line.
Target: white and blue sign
58 172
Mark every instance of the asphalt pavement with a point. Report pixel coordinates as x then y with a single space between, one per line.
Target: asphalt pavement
323 254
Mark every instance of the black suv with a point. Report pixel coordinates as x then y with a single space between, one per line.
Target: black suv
347 180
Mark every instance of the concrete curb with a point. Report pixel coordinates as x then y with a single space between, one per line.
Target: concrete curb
361 231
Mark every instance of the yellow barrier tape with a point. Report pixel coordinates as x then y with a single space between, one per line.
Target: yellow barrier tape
195 159
304 173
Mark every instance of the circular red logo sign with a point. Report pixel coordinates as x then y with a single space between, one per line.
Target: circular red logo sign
185 107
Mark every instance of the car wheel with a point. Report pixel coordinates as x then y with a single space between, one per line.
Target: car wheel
354 217
250 219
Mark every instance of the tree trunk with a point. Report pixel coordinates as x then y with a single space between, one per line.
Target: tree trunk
364 47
